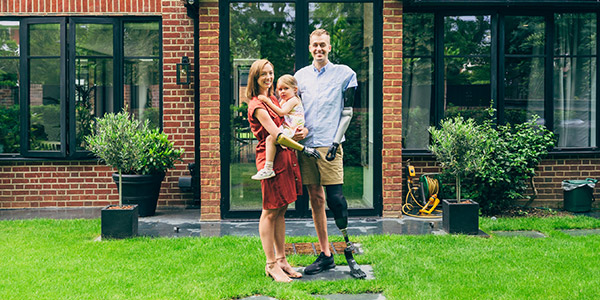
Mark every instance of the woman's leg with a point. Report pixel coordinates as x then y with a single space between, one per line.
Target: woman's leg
266 229
280 245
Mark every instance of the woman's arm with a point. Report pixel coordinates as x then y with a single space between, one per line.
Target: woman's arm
265 120
284 109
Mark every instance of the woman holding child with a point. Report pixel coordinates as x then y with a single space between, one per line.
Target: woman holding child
283 188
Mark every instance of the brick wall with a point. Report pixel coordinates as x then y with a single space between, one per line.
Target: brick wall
392 109
92 7
210 180
178 100
549 175
55 184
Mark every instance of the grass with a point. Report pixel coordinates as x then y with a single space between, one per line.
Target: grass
58 259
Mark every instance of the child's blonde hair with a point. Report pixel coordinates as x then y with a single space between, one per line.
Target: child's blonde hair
289 81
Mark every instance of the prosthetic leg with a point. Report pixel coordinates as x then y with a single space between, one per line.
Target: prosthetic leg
338 205
335 198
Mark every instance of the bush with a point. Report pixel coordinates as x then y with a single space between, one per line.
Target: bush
130 146
513 153
459 148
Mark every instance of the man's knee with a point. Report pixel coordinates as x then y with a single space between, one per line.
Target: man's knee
316 195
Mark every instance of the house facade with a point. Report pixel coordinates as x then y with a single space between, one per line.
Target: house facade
63 63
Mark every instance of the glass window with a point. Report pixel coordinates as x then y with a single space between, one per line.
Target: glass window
524 68
141 39
9 87
141 90
258 30
93 76
417 80
351 28
68 65
44 88
575 66
467 66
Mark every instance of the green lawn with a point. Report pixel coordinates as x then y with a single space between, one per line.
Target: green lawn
58 259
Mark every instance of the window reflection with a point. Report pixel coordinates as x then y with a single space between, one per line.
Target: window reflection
351 28
524 68
417 80
575 80
9 87
467 66
258 30
93 76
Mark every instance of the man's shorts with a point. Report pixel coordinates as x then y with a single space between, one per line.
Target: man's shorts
322 171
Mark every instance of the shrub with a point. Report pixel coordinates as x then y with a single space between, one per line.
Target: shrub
130 146
459 148
513 153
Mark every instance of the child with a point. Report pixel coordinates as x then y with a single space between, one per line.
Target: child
293 113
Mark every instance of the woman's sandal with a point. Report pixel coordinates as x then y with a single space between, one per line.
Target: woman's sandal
269 268
288 269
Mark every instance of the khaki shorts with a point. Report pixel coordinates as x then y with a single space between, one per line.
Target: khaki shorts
321 171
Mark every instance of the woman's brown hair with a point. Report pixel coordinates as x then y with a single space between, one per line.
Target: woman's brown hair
253 89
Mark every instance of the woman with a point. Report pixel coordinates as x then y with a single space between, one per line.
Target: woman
279 191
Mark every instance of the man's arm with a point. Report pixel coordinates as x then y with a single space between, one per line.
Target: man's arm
345 119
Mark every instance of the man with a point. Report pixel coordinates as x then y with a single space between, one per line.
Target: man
327 91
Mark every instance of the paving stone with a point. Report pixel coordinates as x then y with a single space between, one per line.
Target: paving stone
581 232
315 248
531 234
337 273
352 297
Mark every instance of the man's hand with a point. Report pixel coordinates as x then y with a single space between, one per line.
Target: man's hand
311 152
300 134
332 151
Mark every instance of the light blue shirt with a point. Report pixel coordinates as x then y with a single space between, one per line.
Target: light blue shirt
322 96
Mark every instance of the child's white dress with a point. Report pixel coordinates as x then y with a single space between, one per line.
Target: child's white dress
293 121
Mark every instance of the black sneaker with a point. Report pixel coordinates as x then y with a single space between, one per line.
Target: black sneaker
321 264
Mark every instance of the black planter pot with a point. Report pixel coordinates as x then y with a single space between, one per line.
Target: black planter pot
460 217
119 223
142 190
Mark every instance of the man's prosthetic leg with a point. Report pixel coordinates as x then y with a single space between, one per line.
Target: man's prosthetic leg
335 198
288 142
338 205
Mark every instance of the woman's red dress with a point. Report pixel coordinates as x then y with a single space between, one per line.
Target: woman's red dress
285 187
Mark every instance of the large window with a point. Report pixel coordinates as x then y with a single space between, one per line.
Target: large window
58 74
279 31
536 64
9 87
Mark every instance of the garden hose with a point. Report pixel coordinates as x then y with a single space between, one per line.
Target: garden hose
429 185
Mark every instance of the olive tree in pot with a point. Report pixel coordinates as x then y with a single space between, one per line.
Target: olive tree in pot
140 155
459 147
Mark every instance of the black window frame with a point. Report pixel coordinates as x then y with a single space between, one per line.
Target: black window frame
67 64
498 13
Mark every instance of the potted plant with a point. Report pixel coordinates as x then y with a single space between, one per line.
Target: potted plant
459 147
140 155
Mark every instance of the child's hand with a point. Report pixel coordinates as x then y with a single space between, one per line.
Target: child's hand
264 98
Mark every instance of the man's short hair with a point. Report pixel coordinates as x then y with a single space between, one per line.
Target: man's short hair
319 32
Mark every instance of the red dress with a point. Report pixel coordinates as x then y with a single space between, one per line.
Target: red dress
285 187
